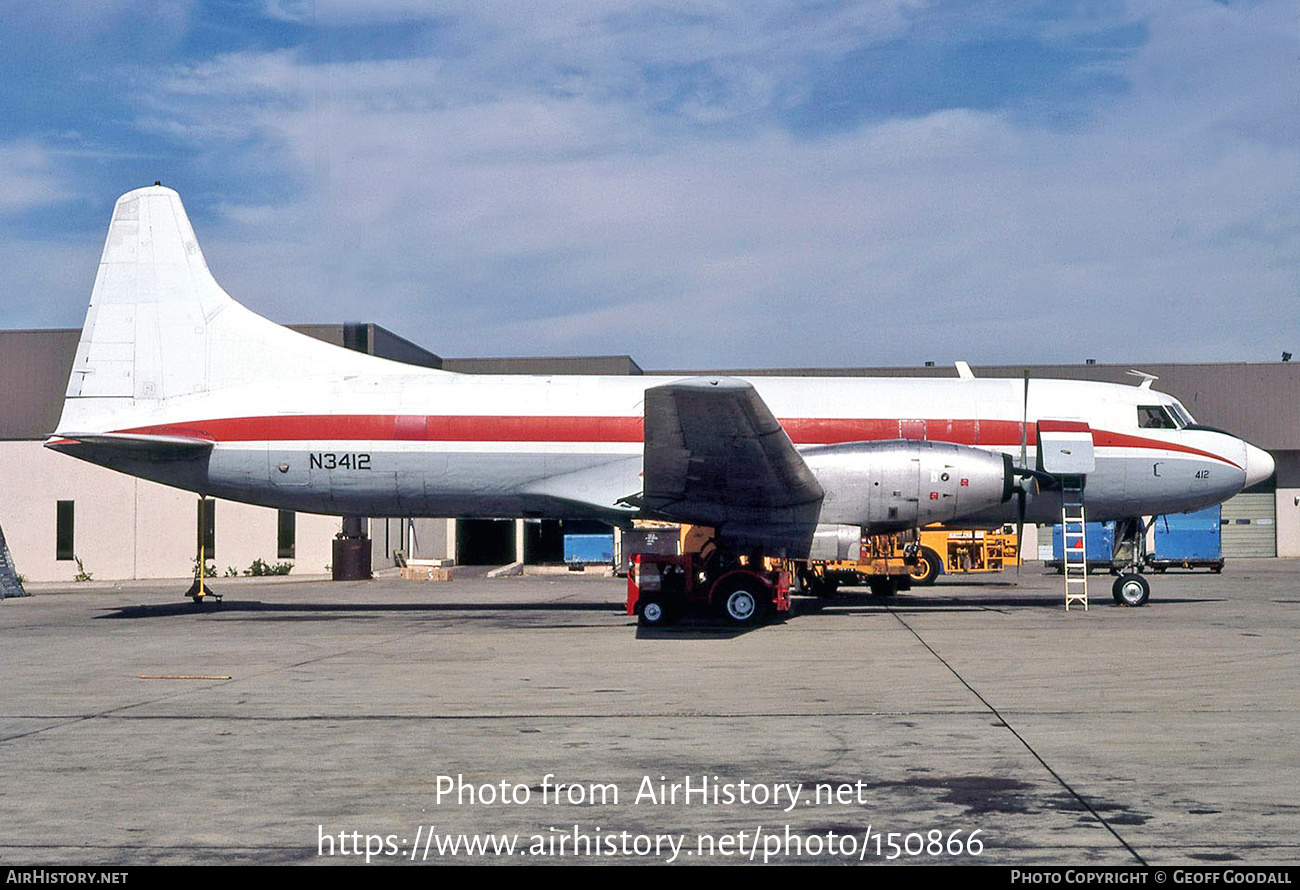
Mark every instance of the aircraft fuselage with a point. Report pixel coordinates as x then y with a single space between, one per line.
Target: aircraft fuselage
423 444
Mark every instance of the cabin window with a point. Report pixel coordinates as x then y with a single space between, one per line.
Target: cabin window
1155 417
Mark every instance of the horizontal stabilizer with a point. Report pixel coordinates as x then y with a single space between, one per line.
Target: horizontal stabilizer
146 447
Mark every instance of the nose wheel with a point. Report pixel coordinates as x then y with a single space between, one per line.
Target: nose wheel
1131 590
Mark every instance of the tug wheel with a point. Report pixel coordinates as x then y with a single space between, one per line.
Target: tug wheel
926 568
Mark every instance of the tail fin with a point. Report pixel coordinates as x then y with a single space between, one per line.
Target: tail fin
159 326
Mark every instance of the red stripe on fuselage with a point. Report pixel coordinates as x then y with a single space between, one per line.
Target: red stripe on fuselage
407 427
1062 426
496 428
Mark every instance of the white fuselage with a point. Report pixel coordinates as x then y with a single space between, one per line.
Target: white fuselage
436 444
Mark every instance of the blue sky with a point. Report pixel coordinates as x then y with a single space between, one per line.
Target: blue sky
703 184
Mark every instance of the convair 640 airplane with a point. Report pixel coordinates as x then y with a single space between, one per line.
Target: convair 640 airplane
176 382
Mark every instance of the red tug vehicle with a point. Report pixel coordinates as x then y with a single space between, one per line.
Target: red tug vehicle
662 589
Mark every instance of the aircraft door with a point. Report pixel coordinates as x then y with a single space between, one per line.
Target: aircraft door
1065 448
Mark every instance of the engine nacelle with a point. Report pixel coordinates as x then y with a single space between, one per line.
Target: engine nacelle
901 483
837 542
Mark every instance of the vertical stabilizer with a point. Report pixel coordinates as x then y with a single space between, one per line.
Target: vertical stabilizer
161 328
152 279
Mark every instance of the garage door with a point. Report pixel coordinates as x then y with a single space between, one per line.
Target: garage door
1248 525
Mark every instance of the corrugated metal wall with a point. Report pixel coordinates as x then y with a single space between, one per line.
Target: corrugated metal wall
1249 525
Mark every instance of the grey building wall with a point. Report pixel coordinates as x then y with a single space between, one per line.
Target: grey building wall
34 371
620 365
372 339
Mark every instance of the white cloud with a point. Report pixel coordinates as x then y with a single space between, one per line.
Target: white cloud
526 194
28 177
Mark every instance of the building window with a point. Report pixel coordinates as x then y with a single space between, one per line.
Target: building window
285 535
63 542
207 528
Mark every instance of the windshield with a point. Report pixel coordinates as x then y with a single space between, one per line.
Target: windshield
1156 417
1184 418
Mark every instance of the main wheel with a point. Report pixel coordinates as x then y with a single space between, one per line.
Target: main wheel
742 606
926 568
1131 590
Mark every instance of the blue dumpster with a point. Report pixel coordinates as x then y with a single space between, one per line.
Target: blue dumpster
1099 545
1187 540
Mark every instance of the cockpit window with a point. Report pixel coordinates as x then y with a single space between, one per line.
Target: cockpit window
1184 419
1156 417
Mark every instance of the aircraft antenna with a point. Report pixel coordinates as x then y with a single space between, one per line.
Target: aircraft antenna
1147 379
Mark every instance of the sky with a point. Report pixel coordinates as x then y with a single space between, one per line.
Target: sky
696 184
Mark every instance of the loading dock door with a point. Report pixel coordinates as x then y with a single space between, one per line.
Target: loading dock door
485 542
1249 525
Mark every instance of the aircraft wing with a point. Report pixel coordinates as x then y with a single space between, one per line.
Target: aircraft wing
715 455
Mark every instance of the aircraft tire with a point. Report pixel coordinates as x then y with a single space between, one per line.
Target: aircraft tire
1131 590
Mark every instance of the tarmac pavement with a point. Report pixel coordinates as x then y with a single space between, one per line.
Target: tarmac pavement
383 714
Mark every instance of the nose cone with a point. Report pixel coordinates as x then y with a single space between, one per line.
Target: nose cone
1259 465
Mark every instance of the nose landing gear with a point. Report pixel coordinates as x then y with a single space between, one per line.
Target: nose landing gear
1130 588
